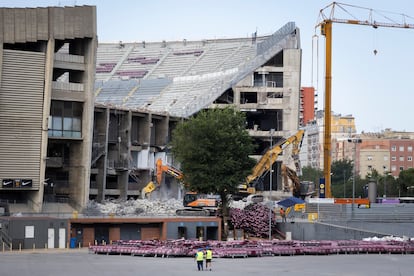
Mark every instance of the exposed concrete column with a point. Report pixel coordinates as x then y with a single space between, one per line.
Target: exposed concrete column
146 130
38 197
89 46
102 129
161 132
236 96
291 85
125 153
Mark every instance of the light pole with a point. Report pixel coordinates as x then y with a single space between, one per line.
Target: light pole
270 184
385 182
355 141
344 181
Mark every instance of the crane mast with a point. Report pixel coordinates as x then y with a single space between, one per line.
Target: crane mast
325 24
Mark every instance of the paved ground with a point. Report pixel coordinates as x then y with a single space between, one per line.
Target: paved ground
80 262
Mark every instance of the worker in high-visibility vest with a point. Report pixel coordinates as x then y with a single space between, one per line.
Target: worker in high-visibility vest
209 257
282 213
199 257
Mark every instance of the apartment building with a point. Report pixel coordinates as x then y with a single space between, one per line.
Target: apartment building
401 155
342 127
308 105
374 154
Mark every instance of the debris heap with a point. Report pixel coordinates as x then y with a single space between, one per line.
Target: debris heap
133 207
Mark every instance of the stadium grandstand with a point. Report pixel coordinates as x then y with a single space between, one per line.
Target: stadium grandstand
83 121
97 115
181 78
169 80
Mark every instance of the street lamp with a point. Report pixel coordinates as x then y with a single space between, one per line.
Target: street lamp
355 141
344 181
270 184
385 181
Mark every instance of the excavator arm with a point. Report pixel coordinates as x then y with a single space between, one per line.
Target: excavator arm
269 158
160 169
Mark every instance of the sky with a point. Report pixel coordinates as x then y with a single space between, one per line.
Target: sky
377 89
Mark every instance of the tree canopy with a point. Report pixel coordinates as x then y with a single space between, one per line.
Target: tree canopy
213 148
406 182
311 174
341 178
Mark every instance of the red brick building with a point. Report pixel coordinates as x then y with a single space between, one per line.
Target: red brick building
307 105
401 154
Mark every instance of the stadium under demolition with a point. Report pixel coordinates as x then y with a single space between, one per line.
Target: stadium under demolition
100 115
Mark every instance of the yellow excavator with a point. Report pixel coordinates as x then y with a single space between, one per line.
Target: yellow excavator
194 204
160 168
269 158
300 189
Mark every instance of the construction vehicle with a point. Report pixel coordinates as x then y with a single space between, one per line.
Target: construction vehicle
327 17
300 189
160 169
266 162
194 204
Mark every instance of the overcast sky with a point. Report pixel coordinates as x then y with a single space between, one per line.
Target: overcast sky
376 89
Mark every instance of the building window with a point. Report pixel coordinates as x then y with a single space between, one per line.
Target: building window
393 158
401 148
401 158
393 148
369 168
393 168
65 119
272 79
401 168
369 158
410 148
385 158
409 158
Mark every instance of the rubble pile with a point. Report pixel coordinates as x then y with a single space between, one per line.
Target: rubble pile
134 207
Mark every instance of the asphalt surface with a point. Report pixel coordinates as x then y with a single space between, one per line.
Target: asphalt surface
80 262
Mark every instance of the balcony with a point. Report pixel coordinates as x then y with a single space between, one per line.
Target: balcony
68 91
67 86
71 62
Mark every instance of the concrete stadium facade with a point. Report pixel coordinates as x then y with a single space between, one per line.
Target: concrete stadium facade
81 120
47 65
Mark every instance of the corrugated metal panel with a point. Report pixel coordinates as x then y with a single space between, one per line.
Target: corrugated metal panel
21 111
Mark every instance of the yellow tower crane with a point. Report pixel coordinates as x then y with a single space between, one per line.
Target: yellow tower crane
326 18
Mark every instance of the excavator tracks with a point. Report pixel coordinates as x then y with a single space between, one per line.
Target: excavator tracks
193 212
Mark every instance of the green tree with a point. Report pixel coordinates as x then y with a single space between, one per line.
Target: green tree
341 178
213 148
406 182
311 174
